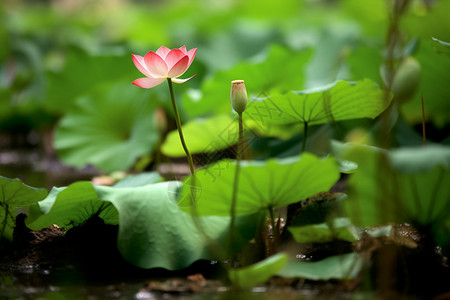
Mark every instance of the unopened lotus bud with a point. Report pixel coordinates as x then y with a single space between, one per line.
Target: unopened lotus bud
406 79
238 96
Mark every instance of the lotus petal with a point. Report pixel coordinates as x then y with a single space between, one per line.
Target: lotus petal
140 65
162 51
183 48
179 80
179 68
173 57
147 82
191 53
156 65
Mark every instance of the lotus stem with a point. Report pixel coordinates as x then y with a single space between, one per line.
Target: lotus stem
180 130
236 180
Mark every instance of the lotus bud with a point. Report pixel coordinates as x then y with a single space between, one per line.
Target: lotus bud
238 96
406 79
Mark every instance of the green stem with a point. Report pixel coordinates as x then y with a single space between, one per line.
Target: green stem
180 131
236 181
305 135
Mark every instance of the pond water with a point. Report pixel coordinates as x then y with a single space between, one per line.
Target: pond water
13 288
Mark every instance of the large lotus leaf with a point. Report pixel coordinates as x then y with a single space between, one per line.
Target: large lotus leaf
335 102
327 64
70 206
281 70
345 266
154 232
258 273
422 177
371 16
242 40
14 193
405 185
209 135
109 130
364 61
203 136
82 73
262 184
338 229
139 180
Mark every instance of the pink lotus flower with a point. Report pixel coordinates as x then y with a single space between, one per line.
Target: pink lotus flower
163 64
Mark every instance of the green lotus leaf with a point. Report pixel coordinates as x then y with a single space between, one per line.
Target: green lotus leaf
345 266
327 64
82 73
364 61
335 102
203 136
14 193
139 180
109 130
219 132
404 185
258 273
153 231
262 184
71 206
340 229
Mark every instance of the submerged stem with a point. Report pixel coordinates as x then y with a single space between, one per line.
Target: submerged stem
180 131
236 180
